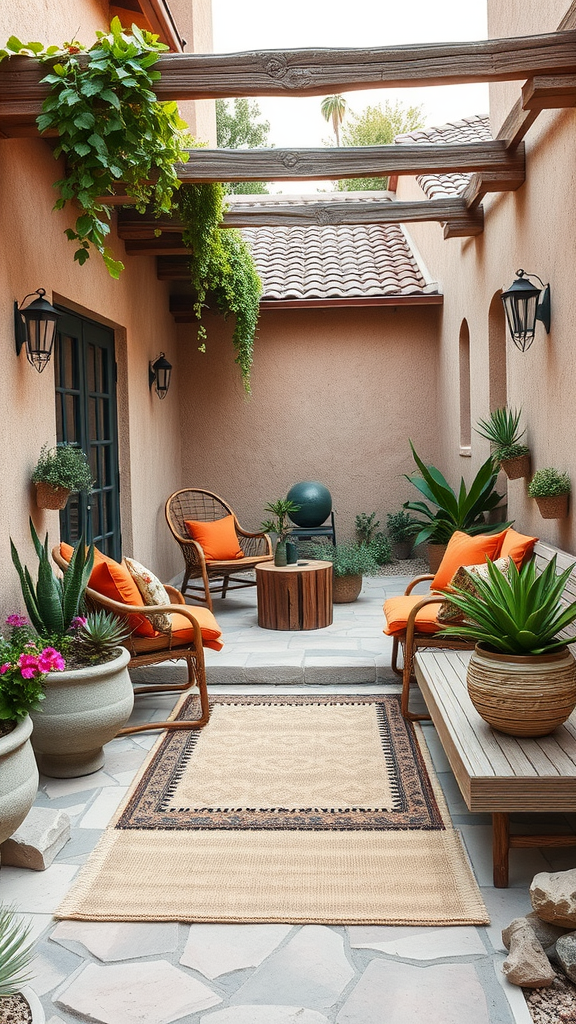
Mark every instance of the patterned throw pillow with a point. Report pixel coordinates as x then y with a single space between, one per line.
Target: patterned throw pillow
153 592
448 613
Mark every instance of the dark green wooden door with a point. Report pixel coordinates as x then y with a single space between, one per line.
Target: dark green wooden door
85 371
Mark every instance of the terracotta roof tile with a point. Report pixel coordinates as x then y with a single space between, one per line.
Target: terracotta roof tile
469 129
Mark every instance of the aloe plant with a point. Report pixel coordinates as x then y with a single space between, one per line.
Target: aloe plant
519 612
502 430
52 603
463 511
15 956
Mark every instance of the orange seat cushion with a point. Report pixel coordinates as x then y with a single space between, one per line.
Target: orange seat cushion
518 547
397 610
218 539
465 550
114 581
183 633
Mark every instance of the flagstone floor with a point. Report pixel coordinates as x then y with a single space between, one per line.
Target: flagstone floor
270 974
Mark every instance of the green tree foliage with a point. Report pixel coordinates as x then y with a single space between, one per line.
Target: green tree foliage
239 128
334 109
377 126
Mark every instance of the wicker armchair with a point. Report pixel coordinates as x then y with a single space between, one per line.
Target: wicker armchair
145 651
195 504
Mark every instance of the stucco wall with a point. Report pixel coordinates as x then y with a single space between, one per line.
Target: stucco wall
335 396
533 228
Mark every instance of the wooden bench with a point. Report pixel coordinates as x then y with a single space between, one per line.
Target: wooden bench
496 773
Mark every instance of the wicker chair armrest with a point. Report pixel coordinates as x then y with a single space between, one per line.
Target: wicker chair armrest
411 620
147 609
418 579
175 596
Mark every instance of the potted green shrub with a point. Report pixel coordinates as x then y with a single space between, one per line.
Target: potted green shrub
17 1001
279 526
551 489
87 703
349 563
59 471
502 429
368 534
402 529
465 511
522 675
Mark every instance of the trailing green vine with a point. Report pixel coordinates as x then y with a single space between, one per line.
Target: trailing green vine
221 264
111 128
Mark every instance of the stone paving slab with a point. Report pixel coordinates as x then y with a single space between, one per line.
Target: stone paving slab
36 892
514 996
265 1015
112 941
216 949
103 807
418 943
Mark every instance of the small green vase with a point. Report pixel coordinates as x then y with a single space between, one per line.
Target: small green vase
280 553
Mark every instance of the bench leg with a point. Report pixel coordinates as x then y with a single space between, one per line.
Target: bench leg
407 677
500 849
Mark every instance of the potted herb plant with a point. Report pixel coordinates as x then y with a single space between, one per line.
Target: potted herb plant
551 490
465 511
402 529
502 429
59 471
522 675
368 534
17 1001
85 704
279 525
349 563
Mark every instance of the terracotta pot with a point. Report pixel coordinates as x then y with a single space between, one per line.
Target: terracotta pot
518 467
18 777
346 589
83 709
435 554
48 496
522 695
553 507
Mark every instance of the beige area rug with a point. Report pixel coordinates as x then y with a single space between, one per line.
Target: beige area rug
284 809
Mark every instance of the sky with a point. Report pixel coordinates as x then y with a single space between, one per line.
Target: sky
272 24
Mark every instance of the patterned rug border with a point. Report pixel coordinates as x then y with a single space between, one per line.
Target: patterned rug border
416 806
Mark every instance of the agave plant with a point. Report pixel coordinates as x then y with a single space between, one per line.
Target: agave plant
519 612
99 636
53 603
15 955
463 511
502 430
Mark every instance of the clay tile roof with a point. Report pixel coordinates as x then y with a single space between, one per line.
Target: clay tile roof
333 261
469 129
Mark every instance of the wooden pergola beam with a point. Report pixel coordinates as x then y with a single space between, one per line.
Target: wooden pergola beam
182 306
134 226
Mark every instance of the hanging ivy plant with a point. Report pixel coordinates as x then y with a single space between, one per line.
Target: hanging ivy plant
111 128
221 264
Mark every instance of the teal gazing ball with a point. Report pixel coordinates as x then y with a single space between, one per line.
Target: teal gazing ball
315 503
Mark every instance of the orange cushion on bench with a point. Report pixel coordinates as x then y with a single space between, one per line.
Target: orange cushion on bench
397 610
465 550
182 631
114 581
218 539
518 547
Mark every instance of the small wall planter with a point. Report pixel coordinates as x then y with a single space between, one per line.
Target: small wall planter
517 468
48 496
553 506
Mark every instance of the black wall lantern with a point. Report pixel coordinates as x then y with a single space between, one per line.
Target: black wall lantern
35 327
159 373
524 304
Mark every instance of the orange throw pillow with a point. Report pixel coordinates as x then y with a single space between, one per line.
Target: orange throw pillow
465 550
114 581
217 539
397 610
518 547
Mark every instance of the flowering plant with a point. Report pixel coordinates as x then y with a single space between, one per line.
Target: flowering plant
25 660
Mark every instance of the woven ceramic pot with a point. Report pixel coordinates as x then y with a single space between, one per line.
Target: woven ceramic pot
516 468
553 507
48 496
18 777
346 589
522 695
83 709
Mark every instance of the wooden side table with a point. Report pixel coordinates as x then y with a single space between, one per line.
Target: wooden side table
294 596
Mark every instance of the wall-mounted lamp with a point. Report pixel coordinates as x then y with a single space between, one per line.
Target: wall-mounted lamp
35 327
524 304
159 373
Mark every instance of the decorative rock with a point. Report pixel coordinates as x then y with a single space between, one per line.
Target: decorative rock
553 896
527 964
566 954
546 934
39 838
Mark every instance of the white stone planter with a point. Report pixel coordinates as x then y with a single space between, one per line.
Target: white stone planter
83 709
38 1015
18 778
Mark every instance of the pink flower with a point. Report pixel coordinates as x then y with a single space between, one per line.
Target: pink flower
50 660
17 621
78 621
4 668
28 664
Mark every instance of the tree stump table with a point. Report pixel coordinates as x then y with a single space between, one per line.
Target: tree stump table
294 596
